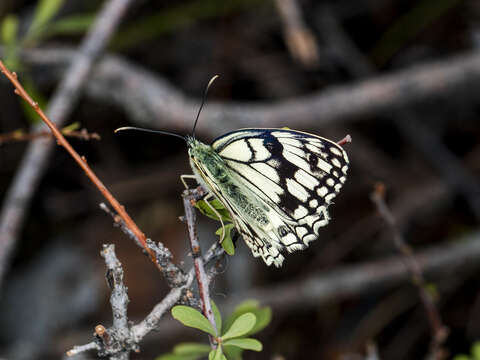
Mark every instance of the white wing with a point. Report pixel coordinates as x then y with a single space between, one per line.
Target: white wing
294 174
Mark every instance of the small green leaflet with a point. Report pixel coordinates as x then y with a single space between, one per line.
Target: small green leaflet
193 318
245 343
242 325
217 205
227 242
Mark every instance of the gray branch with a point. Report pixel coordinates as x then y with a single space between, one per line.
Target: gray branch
352 280
151 101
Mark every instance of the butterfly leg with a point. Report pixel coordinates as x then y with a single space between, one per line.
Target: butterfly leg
206 198
183 177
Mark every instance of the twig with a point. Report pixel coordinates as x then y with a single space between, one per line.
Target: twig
116 342
81 161
202 279
152 320
158 104
174 275
352 280
15 136
439 330
119 297
33 164
83 348
299 39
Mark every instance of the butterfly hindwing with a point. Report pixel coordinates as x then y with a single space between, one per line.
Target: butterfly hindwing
294 174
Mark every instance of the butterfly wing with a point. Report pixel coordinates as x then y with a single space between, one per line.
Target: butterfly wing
294 174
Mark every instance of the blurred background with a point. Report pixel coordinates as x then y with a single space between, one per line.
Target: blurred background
401 77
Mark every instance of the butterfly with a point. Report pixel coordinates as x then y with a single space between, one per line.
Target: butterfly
276 184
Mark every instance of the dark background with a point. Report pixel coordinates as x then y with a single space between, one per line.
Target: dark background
423 146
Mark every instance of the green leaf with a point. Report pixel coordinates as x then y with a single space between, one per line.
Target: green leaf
193 318
177 17
461 357
263 315
216 354
9 32
245 343
232 352
44 12
227 242
242 325
191 349
71 25
476 350
71 127
217 316
217 205
9 29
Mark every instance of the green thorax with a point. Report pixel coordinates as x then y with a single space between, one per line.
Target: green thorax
205 162
214 174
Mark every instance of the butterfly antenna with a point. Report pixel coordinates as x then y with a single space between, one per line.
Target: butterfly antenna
205 93
150 131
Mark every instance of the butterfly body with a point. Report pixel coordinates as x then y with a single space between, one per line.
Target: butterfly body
276 184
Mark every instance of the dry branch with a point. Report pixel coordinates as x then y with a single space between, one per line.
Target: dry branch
352 280
153 102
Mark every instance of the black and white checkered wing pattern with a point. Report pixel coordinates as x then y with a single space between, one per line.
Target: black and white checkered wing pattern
295 175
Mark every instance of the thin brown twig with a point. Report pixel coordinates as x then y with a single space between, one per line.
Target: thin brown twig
34 163
81 161
20 135
201 276
438 328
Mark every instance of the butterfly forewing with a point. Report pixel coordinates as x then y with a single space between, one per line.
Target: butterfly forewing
294 175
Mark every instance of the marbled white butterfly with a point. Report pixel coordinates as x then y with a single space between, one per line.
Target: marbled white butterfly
277 184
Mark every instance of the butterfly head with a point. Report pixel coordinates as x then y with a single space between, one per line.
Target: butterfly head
200 152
